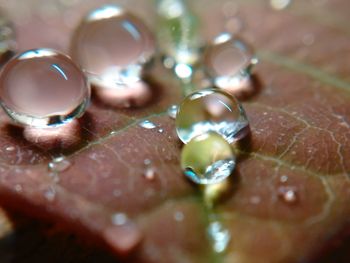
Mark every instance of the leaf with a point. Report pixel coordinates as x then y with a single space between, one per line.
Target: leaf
299 140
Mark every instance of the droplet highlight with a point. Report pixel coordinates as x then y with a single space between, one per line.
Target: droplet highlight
207 159
172 111
43 88
211 110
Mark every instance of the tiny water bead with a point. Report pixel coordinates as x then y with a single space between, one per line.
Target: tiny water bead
43 88
211 110
228 62
172 111
207 159
113 47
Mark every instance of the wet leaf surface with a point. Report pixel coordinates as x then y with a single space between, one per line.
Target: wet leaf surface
291 187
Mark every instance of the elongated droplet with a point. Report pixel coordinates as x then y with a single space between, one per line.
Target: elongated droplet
178 36
219 236
59 164
207 159
113 47
43 88
147 124
211 110
228 62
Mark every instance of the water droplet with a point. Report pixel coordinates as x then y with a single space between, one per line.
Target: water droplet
172 111
43 88
228 63
178 36
288 194
308 39
207 159
149 173
119 219
10 148
59 164
113 47
18 188
50 194
255 200
211 110
284 178
147 124
161 130
179 216
219 236
280 4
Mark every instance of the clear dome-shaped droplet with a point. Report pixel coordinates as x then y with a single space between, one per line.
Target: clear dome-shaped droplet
211 110
43 88
112 46
228 62
7 38
207 159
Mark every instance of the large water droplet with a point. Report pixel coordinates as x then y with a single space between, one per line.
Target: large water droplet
113 47
211 110
207 159
59 164
43 88
219 236
228 62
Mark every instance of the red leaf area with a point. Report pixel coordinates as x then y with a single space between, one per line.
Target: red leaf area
300 140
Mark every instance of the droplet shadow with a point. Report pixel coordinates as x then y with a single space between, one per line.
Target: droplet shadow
139 95
64 139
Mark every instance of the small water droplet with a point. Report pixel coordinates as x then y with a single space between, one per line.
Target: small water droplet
308 39
219 236
10 148
18 188
149 173
211 110
284 178
119 219
280 4
255 200
161 130
117 193
288 194
179 216
172 111
147 124
59 164
50 194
